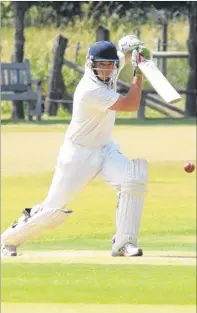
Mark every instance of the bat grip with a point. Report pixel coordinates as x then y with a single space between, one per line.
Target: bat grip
141 58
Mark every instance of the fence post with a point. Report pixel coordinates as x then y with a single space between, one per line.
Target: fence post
77 47
56 87
158 49
102 33
141 111
165 45
137 32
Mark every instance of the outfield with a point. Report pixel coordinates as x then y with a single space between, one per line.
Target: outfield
70 269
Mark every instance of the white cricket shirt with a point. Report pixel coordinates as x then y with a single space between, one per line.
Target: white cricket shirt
92 122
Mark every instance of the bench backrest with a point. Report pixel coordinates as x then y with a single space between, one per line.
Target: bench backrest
15 77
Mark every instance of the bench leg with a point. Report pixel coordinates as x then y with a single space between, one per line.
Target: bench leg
30 110
39 103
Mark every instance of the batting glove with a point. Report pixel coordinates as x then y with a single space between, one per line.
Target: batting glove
129 43
137 56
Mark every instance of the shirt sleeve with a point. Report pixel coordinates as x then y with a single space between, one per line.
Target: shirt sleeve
101 98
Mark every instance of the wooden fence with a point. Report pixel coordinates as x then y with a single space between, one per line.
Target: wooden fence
149 97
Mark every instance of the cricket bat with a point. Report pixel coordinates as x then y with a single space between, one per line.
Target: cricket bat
158 81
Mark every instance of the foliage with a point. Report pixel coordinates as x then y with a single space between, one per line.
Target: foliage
138 10
60 12
6 13
44 12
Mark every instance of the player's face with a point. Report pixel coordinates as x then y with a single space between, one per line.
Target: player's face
104 69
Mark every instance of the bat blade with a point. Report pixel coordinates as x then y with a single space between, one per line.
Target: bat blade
159 81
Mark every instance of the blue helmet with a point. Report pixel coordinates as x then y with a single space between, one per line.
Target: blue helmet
103 51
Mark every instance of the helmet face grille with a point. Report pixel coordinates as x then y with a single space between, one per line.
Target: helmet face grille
104 75
103 51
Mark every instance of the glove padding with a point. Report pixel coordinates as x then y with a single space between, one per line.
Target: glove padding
129 43
136 57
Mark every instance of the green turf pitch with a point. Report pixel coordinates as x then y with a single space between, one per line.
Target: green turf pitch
82 283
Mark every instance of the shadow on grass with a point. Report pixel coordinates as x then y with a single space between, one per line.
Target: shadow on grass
119 121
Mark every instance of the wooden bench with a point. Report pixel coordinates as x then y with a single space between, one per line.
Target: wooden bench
16 84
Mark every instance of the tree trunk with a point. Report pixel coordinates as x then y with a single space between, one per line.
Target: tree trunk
191 102
56 90
19 9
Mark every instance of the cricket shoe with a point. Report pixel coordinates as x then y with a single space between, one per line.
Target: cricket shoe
7 250
127 250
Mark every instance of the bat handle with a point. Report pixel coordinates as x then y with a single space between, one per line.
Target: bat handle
141 58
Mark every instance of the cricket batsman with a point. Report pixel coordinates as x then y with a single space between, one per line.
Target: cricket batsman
88 151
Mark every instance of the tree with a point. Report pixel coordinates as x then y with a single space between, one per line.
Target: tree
129 10
19 9
65 9
135 10
62 11
6 12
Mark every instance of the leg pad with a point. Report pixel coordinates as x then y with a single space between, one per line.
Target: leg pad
29 226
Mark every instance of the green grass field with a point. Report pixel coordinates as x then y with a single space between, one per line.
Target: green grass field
88 279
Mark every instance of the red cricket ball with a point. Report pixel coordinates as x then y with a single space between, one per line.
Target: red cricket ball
189 167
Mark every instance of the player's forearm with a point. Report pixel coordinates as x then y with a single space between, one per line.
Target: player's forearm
130 102
133 97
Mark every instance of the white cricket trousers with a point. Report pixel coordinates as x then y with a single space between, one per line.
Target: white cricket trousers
77 165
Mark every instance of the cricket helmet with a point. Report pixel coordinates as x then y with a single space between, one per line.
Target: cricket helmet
103 51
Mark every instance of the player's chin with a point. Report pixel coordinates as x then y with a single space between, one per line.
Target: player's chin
106 78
